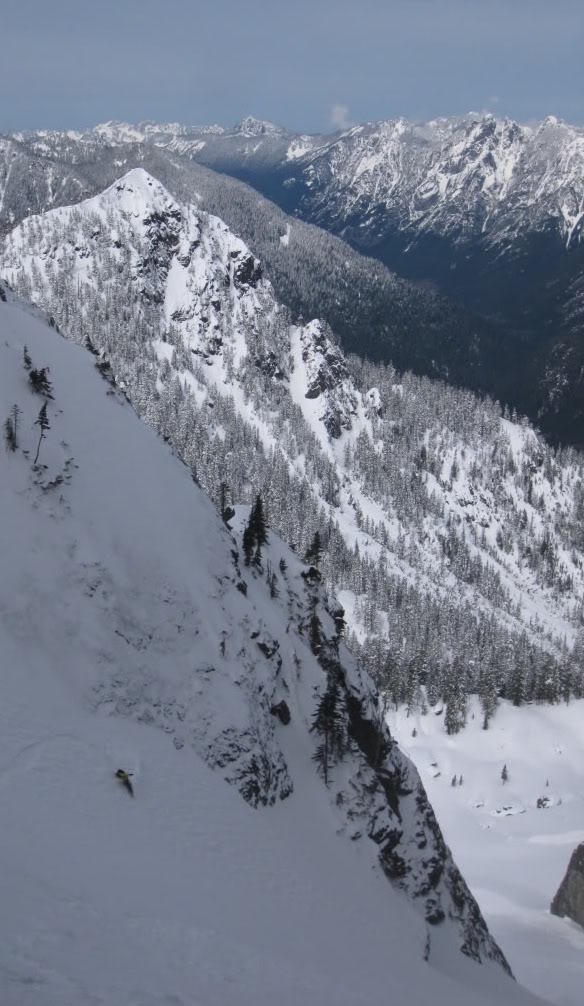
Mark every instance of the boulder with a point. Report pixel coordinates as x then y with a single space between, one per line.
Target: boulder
569 899
282 711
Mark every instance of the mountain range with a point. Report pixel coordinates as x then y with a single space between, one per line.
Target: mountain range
487 212
423 548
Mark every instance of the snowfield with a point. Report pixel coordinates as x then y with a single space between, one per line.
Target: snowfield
512 853
117 593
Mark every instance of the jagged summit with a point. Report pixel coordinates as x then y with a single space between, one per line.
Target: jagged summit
132 193
250 126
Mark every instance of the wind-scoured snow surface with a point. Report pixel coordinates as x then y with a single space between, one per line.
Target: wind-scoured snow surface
514 839
125 642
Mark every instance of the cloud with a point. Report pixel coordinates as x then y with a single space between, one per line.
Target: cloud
339 117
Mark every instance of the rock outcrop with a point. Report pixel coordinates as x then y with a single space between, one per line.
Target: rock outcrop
569 898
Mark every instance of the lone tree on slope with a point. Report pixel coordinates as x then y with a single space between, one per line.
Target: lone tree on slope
11 428
40 383
255 535
42 422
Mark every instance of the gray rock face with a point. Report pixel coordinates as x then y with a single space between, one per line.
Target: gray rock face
569 899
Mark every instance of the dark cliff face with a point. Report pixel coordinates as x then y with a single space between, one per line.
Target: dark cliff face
385 801
569 898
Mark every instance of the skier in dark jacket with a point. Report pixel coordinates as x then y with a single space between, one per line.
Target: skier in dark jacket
125 780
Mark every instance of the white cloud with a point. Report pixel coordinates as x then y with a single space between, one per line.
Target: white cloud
339 117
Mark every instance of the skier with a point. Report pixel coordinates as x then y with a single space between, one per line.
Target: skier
124 778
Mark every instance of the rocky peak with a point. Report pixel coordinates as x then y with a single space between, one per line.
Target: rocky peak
327 379
250 126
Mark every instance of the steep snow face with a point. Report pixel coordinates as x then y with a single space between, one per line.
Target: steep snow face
128 640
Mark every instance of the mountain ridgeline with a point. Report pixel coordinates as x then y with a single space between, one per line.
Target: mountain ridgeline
482 219
451 533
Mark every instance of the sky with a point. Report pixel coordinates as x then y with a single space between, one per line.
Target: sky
311 65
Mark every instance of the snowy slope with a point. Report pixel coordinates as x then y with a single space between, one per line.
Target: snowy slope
125 641
513 852
180 307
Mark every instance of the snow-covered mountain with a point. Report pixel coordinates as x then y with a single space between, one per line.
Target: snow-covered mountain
486 211
461 177
132 635
452 533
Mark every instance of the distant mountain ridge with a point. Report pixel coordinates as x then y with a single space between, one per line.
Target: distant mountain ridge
455 176
484 210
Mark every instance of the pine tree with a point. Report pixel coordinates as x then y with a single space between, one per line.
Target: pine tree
40 383
504 774
315 631
314 551
27 362
248 544
255 534
328 722
15 414
9 434
258 522
227 512
43 422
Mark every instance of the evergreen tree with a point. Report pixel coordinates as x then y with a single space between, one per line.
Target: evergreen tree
315 632
328 722
248 544
42 422
314 551
9 434
40 383
504 774
15 414
258 522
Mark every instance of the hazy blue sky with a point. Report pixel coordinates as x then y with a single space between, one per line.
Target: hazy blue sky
307 64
